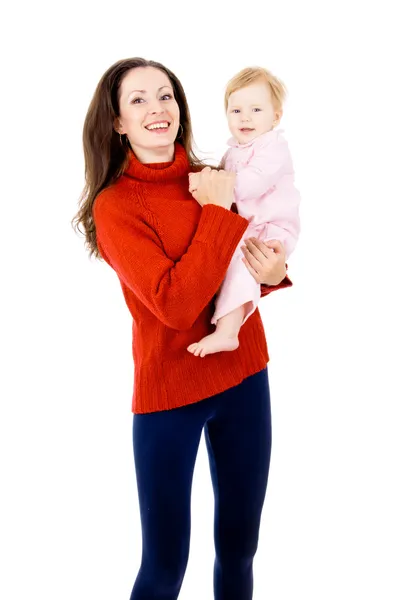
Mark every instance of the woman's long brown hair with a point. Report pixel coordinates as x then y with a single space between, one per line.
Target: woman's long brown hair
105 157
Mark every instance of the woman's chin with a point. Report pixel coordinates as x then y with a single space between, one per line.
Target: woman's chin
162 142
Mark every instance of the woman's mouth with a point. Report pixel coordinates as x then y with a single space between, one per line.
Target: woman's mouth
158 127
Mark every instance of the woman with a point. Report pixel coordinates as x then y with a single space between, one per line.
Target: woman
171 252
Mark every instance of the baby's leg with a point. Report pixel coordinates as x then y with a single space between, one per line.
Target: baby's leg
224 338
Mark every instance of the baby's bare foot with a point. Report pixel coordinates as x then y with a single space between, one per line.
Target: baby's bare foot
215 342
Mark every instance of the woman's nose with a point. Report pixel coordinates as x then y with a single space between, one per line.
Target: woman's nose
155 107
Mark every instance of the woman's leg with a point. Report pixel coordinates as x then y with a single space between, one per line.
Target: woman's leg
238 440
165 450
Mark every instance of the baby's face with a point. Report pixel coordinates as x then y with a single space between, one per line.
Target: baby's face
250 112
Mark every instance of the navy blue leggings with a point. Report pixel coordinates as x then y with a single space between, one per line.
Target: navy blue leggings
237 426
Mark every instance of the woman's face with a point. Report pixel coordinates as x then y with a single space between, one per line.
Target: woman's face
149 113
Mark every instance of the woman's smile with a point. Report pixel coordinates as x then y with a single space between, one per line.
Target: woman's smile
158 127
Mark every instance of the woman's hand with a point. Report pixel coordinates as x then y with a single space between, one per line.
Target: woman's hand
194 179
265 260
213 187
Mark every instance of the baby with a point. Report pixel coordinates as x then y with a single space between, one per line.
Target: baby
264 194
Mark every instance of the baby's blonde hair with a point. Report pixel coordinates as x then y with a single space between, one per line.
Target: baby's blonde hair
251 75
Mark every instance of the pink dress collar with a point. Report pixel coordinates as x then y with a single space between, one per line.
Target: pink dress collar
260 139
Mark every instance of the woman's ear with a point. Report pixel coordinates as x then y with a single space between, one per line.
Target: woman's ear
118 127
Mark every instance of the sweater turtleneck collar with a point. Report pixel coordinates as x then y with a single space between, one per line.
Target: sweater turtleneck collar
159 172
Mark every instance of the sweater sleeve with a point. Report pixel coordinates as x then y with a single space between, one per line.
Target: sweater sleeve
267 289
175 292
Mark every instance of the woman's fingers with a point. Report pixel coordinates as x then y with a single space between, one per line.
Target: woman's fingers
251 258
211 185
217 186
266 259
268 248
276 245
251 270
194 179
258 249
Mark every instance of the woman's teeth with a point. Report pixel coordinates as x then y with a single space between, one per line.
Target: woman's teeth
164 125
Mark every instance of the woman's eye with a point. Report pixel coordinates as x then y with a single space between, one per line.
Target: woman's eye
137 101
167 97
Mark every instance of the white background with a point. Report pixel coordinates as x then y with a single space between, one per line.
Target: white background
69 517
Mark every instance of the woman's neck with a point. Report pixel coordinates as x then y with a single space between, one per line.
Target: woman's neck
154 155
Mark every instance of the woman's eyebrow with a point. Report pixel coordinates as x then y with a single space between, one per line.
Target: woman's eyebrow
145 92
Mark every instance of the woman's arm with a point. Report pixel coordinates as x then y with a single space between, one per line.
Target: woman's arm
175 292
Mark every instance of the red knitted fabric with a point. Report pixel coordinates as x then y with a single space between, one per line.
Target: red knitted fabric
171 256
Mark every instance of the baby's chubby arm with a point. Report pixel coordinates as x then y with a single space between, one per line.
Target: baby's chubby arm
268 164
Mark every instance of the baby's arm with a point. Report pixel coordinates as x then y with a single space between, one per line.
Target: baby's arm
268 164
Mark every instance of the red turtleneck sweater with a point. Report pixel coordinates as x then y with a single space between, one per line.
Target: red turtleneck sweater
171 256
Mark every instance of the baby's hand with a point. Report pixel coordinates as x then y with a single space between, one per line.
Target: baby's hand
193 181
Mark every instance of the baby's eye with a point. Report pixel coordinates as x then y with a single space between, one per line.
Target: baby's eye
257 109
235 110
